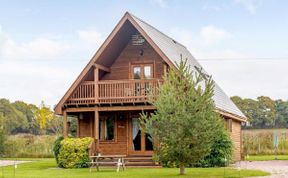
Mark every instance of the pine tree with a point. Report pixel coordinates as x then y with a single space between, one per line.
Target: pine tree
185 124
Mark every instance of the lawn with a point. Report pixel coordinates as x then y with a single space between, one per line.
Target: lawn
266 157
46 168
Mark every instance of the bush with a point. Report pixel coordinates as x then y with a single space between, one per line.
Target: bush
221 152
2 142
74 152
57 147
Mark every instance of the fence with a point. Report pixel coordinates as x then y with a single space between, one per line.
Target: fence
265 141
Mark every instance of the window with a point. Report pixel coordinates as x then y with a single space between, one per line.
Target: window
106 128
137 72
142 71
229 123
147 72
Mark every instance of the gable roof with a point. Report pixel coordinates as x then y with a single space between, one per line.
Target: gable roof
170 50
173 50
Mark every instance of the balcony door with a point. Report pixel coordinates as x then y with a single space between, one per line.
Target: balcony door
142 73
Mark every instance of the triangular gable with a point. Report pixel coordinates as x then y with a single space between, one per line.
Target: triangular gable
126 17
170 51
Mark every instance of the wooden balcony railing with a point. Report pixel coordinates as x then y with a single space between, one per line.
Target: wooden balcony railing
115 91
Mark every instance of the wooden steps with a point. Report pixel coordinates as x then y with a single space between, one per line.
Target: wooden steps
141 162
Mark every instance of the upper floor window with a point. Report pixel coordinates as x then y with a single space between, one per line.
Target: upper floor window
142 71
148 72
137 72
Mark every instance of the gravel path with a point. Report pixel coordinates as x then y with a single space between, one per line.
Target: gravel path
11 162
278 169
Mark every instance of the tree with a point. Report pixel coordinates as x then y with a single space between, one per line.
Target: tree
250 109
13 120
281 114
55 125
261 113
43 115
2 135
267 111
28 112
185 124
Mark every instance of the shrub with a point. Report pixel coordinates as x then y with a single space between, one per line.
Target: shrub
74 152
56 147
220 154
2 142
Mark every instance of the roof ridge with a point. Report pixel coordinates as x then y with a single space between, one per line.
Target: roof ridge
156 29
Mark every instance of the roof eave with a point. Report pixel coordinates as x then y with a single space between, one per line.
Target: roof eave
231 115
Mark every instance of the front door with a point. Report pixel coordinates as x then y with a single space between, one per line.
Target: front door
140 143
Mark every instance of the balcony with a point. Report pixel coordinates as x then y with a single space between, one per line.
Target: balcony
114 92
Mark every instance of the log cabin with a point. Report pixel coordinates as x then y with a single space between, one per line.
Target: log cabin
111 91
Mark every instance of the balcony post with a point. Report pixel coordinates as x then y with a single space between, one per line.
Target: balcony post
96 79
65 124
96 129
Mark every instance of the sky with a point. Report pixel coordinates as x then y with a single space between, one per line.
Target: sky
45 44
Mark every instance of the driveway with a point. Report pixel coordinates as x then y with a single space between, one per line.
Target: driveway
11 162
278 169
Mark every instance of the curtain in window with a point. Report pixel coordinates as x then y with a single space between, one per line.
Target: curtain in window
135 129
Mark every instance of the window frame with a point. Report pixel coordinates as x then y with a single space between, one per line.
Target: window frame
229 125
104 117
142 72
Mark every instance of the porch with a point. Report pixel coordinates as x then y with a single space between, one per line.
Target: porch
115 132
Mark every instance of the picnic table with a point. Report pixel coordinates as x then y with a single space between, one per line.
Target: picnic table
102 160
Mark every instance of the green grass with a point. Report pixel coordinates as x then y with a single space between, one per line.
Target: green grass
46 168
266 157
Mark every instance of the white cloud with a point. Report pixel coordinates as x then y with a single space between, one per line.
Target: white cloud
212 34
38 48
91 36
202 44
26 68
250 78
161 3
216 7
32 82
250 5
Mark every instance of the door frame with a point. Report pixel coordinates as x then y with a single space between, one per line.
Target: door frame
129 150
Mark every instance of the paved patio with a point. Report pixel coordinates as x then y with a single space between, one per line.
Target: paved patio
11 162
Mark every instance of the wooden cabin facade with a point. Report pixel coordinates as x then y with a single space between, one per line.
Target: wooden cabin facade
113 89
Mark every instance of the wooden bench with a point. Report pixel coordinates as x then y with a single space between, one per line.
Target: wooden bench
102 160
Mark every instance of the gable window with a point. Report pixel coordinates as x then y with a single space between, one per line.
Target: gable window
107 128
